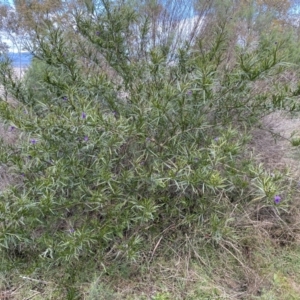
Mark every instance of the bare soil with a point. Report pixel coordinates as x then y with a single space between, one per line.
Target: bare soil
272 143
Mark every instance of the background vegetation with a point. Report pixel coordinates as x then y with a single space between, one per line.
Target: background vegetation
133 164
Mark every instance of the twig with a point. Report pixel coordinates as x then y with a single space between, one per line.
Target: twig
153 252
16 289
35 280
32 296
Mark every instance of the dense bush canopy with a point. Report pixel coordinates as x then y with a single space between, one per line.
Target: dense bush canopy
124 138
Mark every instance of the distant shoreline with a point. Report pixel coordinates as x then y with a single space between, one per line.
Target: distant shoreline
21 59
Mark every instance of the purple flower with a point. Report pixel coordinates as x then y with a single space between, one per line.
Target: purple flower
98 33
33 141
277 199
12 128
65 98
189 92
216 139
86 138
71 230
83 115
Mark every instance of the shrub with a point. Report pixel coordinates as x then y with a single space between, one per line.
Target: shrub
110 157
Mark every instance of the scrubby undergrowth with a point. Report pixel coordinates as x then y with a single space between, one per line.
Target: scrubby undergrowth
128 166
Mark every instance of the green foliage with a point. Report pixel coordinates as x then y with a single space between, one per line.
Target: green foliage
111 157
161 296
98 291
295 142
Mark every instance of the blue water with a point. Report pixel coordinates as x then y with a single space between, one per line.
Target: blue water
20 60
